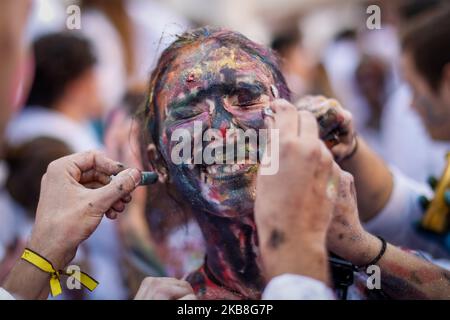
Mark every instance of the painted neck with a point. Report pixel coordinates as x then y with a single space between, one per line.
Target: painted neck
232 253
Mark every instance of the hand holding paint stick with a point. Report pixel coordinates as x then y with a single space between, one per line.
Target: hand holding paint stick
335 124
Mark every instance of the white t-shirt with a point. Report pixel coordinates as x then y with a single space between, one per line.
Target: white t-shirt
296 287
397 221
5 295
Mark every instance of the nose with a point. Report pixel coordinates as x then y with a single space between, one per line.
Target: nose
221 119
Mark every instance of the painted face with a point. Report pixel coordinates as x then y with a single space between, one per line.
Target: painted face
210 86
430 105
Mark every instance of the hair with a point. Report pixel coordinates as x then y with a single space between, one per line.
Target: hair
60 58
27 163
151 116
427 39
286 39
413 8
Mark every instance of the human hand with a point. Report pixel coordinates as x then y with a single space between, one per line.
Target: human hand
335 124
293 207
76 192
165 289
346 236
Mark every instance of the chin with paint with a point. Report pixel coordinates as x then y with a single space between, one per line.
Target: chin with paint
207 84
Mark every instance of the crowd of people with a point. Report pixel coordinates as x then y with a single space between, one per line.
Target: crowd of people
361 126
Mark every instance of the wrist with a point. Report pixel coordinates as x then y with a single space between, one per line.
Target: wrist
51 249
364 250
305 256
353 149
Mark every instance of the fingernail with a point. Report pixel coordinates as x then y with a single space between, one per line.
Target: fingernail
135 174
148 178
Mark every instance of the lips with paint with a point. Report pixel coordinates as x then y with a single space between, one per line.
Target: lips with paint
223 88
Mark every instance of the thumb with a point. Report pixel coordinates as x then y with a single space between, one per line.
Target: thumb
121 185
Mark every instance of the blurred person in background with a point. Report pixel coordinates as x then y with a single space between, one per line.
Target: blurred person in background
396 124
296 64
403 135
62 103
372 85
122 142
157 244
127 37
388 201
63 98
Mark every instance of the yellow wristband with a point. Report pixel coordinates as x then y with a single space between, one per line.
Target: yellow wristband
55 285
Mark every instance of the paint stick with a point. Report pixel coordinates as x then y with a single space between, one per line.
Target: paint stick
148 178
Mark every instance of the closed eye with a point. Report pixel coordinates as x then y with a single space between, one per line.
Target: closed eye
245 98
186 113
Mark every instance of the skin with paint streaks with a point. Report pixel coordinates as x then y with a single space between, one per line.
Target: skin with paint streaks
222 80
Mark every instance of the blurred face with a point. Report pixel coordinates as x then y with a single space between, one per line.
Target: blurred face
370 77
84 95
91 95
433 106
218 88
298 69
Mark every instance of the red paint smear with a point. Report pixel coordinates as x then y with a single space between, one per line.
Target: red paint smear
214 194
423 274
190 77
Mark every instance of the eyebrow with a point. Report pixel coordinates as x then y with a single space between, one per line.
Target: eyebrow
256 88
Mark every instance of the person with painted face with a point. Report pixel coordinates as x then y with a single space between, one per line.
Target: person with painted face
257 227
390 204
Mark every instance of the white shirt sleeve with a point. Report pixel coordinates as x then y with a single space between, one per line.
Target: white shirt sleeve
5 295
296 287
397 221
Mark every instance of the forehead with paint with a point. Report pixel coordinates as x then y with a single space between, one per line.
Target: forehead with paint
211 70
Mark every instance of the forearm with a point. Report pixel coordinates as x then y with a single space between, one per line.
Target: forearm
307 258
403 275
373 180
26 281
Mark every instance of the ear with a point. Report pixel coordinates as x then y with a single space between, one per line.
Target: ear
156 163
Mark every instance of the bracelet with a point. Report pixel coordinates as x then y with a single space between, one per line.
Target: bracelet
355 149
378 257
55 285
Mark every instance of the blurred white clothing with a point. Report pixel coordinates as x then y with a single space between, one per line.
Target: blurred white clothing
103 246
